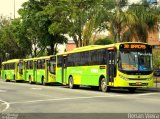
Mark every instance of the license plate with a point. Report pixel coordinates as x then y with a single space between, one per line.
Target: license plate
138 83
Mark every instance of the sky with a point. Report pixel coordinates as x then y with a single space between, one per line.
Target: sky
7 7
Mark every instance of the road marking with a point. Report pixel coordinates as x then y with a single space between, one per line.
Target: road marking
144 94
5 103
2 91
36 88
59 99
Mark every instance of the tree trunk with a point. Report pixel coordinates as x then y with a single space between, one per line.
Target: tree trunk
35 52
75 40
52 49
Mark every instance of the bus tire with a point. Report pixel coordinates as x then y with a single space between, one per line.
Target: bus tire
42 81
30 80
71 83
14 79
103 86
5 79
132 90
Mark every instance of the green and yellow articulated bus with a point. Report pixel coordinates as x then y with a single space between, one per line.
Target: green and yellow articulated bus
12 70
123 65
40 70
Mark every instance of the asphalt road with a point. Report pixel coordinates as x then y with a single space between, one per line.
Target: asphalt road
26 98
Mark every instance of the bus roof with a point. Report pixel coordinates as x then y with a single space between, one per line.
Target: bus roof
93 47
44 57
11 61
87 48
37 58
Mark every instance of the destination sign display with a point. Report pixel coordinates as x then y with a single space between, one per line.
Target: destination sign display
134 46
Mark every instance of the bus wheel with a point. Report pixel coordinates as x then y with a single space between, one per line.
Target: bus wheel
71 82
131 90
6 79
30 80
43 82
103 86
14 79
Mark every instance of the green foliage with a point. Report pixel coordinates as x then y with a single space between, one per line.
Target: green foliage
146 21
156 61
104 41
9 46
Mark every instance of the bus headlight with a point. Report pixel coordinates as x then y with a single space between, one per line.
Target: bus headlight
124 78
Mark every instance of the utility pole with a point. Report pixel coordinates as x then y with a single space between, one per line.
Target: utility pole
14 9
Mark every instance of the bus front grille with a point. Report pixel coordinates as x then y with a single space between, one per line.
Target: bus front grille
138 84
137 78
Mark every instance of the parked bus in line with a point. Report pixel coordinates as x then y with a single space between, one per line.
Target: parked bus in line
124 65
40 70
12 70
29 70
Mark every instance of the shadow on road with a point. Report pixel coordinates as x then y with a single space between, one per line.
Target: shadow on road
118 90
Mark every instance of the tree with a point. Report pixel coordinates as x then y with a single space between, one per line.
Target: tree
40 28
104 41
28 15
70 16
50 25
19 33
147 21
8 44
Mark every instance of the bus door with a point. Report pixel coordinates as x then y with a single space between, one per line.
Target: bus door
16 71
20 67
25 71
35 71
47 63
64 67
111 66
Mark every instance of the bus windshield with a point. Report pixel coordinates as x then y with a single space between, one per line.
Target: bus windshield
135 60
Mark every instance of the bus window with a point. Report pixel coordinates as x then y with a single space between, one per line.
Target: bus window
21 68
52 67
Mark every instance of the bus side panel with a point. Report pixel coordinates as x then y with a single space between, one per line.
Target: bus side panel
94 73
76 73
39 74
9 74
51 77
59 75
30 74
86 75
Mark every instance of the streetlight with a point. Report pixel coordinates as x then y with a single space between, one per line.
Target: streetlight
14 9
